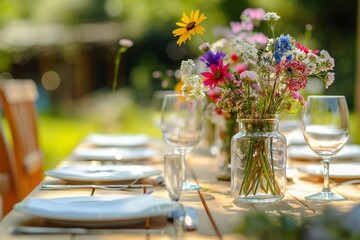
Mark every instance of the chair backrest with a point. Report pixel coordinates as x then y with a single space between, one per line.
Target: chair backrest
18 102
7 183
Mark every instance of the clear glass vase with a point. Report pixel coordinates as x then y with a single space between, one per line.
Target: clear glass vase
258 161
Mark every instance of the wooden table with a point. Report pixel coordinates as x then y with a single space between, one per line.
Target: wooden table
218 213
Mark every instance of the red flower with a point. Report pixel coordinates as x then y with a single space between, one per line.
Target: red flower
218 74
305 49
234 57
214 94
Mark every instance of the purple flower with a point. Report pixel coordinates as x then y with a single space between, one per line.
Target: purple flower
210 58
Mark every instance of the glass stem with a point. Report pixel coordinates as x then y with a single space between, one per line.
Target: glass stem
183 153
216 145
326 162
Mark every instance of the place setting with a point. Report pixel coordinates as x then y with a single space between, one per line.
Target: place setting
100 214
97 211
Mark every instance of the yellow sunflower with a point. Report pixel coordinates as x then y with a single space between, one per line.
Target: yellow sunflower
189 26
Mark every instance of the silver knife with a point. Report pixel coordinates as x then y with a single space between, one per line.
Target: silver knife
81 186
17 230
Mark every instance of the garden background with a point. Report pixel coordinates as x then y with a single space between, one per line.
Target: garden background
68 48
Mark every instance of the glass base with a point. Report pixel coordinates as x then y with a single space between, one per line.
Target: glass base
187 186
325 196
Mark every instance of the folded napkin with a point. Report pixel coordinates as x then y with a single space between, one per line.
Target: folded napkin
95 205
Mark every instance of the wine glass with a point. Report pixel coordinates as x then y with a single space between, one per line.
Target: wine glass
182 127
326 130
156 105
173 174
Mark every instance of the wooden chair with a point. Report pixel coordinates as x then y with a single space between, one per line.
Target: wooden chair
7 183
18 102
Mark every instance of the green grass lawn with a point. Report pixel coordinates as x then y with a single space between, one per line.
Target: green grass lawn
59 135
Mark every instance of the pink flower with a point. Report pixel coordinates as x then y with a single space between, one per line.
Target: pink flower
240 67
241 27
296 95
258 38
218 74
305 49
248 76
255 14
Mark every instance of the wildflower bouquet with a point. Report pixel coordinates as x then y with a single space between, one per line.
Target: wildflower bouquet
250 76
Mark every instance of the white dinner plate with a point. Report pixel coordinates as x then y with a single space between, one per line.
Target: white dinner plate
337 170
103 172
97 210
118 140
114 154
304 152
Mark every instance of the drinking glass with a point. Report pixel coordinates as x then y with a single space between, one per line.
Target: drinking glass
182 127
326 130
174 174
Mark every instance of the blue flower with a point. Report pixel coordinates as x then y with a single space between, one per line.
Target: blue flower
289 57
277 57
212 58
282 45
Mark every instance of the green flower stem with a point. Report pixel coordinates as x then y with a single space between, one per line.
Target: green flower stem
247 168
272 167
266 173
259 172
252 178
117 65
258 177
202 38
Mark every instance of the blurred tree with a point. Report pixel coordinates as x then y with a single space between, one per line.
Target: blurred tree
67 33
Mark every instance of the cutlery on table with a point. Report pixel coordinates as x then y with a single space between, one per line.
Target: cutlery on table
16 230
106 187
